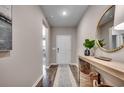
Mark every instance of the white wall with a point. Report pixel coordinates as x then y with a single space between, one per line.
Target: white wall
24 65
63 31
87 29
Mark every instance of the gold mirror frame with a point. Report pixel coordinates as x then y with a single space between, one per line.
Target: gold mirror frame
97 42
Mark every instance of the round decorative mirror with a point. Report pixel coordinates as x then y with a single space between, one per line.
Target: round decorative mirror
109 39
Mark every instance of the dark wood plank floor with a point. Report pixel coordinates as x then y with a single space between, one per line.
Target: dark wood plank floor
75 72
49 78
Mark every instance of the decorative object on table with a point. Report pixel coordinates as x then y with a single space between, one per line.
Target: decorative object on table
103 58
88 44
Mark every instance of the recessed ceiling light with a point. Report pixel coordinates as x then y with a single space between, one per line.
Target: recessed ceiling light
64 13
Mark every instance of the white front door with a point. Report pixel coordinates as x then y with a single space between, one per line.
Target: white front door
63 49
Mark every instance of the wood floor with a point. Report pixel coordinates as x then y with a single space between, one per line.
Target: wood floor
75 72
48 80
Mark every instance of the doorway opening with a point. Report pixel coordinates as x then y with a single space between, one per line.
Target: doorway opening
45 53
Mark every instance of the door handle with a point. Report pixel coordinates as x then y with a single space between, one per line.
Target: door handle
58 50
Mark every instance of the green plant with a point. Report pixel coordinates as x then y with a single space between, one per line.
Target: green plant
101 42
89 43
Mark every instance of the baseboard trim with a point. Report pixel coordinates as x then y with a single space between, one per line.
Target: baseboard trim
53 64
48 66
38 82
76 64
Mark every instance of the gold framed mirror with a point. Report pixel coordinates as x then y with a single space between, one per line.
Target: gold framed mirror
109 39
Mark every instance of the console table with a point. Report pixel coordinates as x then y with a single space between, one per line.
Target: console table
114 68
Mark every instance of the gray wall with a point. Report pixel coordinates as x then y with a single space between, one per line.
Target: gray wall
87 29
63 31
24 64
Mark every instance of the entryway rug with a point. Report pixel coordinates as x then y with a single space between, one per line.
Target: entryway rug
64 77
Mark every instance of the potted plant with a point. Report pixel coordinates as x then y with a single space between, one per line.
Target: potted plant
88 44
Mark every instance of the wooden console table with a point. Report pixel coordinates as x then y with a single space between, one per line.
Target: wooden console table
114 68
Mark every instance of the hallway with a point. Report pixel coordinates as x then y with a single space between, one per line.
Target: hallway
59 36
68 46
60 46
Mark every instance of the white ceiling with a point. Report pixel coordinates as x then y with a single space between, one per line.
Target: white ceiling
53 14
